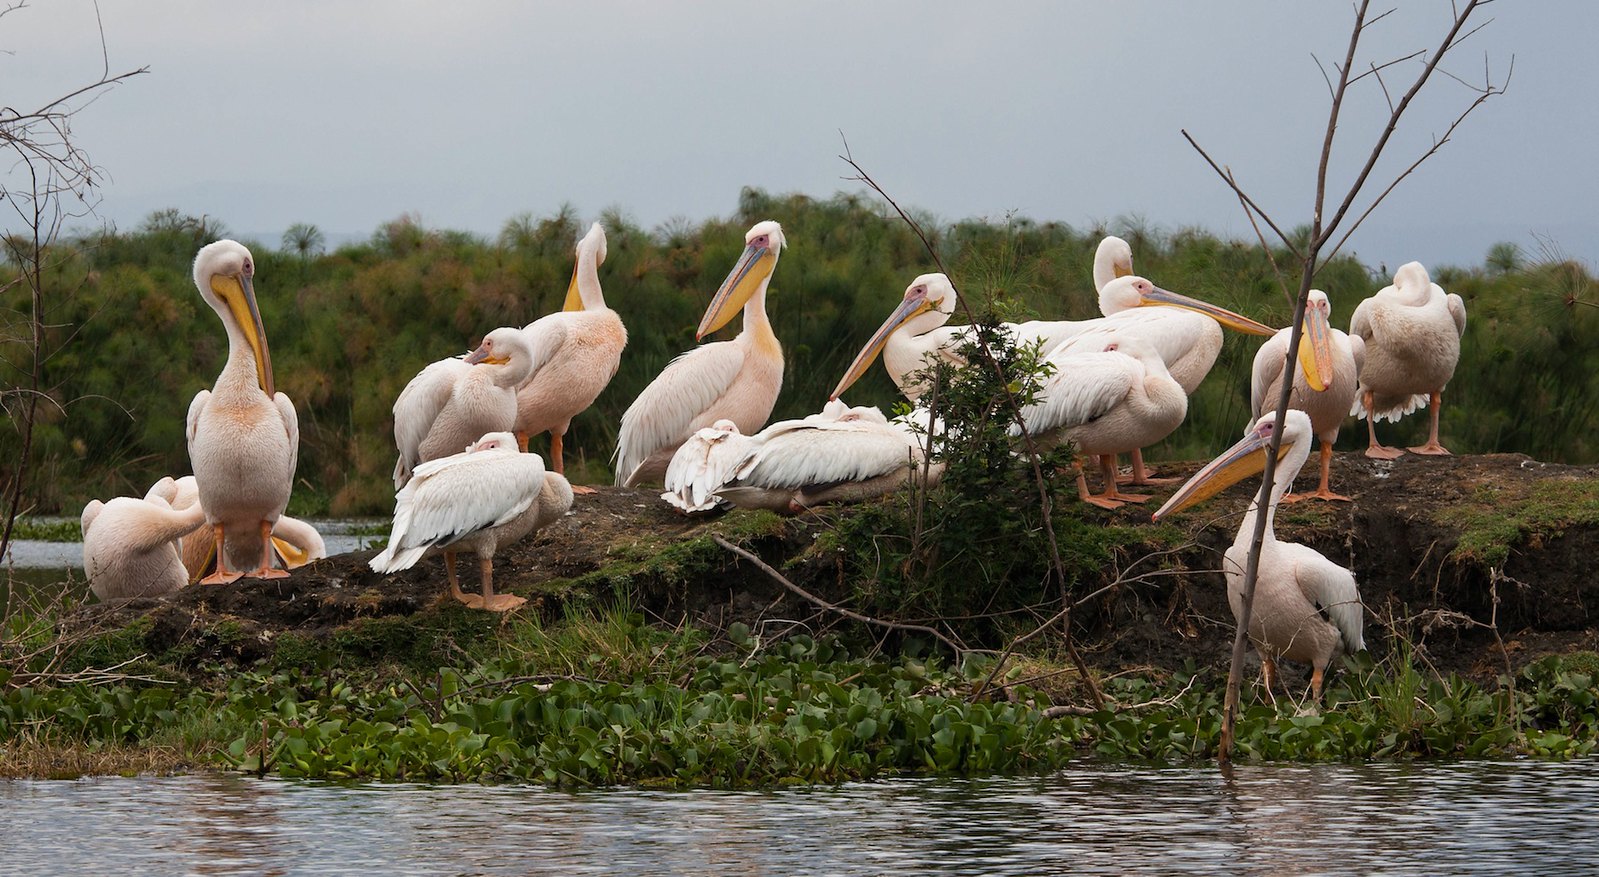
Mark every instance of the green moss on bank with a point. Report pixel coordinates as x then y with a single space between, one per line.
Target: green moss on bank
1495 520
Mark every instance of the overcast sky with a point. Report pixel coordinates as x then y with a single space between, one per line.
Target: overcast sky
349 114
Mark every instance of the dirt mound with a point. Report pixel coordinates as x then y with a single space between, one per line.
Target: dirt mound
1443 548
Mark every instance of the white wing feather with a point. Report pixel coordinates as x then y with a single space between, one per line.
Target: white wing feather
545 337
664 413
1085 386
704 463
1333 589
1268 367
418 406
455 496
1457 312
825 453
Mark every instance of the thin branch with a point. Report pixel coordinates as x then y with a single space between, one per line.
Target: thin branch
1242 195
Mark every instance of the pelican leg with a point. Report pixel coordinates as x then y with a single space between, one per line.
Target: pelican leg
221 576
1316 678
1323 491
472 601
521 442
1432 446
1268 674
1375 450
1111 498
265 570
1141 476
492 601
558 455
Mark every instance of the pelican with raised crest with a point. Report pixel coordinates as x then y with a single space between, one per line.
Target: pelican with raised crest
575 354
1306 608
1412 331
734 380
243 435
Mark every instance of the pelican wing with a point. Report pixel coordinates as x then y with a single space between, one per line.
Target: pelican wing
664 413
201 399
825 453
1457 312
545 337
418 406
90 512
455 496
704 463
291 423
1332 588
1269 361
1360 320
1085 387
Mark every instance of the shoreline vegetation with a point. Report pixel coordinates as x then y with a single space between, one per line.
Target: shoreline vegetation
655 650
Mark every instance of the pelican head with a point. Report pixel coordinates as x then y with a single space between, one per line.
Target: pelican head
1132 291
224 272
494 441
591 243
1246 458
1112 259
1315 347
927 304
762 243
506 346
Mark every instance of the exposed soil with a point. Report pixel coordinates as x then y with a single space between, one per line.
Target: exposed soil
1540 598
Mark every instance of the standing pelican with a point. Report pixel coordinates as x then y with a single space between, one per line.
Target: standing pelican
913 333
735 380
131 546
1324 381
1306 607
453 402
480 500
1109 394
243 436
295 542
1412 332
575 354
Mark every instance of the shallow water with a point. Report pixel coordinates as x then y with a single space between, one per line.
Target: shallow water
57 557
1268 819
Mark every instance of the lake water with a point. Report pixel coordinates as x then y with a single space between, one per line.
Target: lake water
57 557
1484 818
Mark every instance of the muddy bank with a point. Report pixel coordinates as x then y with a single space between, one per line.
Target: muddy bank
1459 554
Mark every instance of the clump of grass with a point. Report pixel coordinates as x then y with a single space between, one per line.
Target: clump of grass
1497 519
37 530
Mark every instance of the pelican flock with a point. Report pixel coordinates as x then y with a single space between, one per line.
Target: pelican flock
465 482
734 380
243 435
576 352
1306 608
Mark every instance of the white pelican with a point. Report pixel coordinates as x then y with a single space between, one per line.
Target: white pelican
453 402
735 380
575 354
295 542
243 436
702 464
1412 331
1306 607
131 546
480 500
1109 394
1324 381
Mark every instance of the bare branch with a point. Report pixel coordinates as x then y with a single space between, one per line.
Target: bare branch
1242 196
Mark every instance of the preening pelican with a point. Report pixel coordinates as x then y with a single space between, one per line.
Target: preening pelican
1109 394
843 454
243 436
734 380
131 546
295 542
1306 607
480 500
453 402
1324 381
575 354
1412 331
914 332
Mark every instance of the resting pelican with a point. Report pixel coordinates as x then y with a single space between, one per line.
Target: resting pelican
1324 381
131 546
1306 607
575 354
1412 331
243 436
702 464
1109 394
453 402
735 380
295 542
482 499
